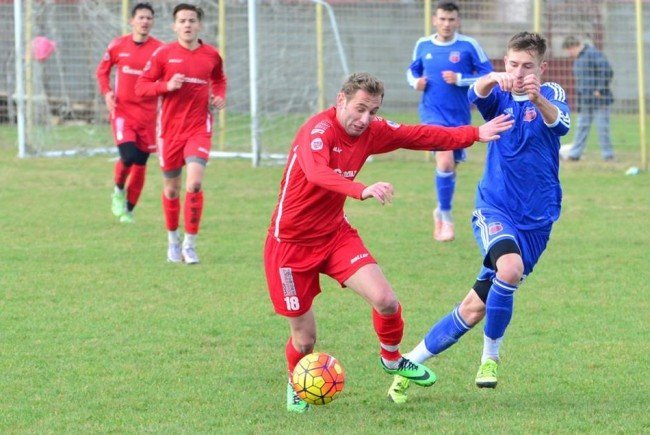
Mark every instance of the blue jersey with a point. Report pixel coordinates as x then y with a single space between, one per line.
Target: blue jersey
521 171
442 103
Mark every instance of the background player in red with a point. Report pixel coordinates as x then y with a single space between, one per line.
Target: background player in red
133 118
309 233
189 76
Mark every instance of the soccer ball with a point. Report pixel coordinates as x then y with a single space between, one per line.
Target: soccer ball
318 378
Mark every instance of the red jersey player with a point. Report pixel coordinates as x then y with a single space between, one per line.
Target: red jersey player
309 233
189 76
133 118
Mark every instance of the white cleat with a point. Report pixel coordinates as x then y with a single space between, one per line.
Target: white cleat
174 254
189 255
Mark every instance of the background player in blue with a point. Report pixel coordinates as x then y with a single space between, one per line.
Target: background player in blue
443 66
517 201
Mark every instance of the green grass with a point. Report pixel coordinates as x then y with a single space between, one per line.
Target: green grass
98 333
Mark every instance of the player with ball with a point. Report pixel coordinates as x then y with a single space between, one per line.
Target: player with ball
309 233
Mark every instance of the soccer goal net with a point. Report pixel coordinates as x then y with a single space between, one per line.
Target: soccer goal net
286 59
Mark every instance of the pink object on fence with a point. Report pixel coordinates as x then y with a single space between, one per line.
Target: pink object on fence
42 48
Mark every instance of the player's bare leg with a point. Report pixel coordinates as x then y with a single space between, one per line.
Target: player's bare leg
371 284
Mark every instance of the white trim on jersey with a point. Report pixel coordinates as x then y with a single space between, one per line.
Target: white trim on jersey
276 232
159 140
482 57
558 92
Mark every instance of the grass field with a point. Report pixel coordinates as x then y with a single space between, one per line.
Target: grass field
99 334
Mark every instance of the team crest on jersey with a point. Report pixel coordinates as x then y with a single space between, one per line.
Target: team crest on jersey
495 228
392 124
454 57
320 127
529 114
147 66
317 144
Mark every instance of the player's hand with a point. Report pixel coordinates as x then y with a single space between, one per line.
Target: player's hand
488 131
450 77
175 82
532 86
381 191
421 84
505 80
109 98
217 102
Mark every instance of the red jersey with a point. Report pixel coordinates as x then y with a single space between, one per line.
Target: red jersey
324 161
130 58
185 111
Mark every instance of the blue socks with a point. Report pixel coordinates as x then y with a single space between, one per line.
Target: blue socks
445 186
499 307
446 332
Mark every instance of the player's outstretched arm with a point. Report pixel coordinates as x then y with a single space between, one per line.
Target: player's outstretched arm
489 131
381 191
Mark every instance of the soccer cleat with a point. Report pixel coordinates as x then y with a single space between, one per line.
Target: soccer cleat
419 374
487 374
127 217
174 254
189 255
295 403
397 391
443 231
118 203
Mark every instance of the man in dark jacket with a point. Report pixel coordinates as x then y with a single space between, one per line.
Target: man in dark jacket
593 75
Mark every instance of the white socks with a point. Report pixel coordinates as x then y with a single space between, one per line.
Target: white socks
491 348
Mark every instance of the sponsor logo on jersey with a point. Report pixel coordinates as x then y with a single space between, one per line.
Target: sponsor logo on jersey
358 257
317 144
454 57
172 60
392 124
320 127
288 286
123 54
346 174
529 114
195 80
128 70
428 56
508 111
495 228
337 150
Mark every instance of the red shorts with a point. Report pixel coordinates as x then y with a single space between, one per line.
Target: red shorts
172 153
292 269
144 135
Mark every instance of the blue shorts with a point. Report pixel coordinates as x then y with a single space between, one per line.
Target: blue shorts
491 226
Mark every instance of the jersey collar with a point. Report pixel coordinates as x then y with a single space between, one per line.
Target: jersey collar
444 44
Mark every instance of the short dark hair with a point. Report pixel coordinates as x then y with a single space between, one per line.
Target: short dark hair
530 42
570 41
188 7
448 6
139 6
362 82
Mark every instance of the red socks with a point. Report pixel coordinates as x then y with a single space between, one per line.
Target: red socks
193 210
389 329
136 183
121 173
293 356
172 210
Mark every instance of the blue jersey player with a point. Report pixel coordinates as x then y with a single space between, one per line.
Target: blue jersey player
517 202
443 66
